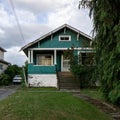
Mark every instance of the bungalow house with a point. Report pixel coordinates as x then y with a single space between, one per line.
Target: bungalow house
45 55
3 64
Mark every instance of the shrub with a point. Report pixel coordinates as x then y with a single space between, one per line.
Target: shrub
7 77
4 79
13 70
84 72
85 75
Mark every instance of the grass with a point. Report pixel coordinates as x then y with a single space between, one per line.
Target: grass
44 104
93 92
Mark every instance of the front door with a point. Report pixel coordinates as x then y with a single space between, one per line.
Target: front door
65 64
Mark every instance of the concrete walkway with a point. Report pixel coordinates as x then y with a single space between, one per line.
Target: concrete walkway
5 91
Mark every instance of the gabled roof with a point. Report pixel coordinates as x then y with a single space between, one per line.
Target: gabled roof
54 31
2 49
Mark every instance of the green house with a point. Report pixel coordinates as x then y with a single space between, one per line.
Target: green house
45 55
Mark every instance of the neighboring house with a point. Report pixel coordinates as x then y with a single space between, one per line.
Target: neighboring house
45 55
3 64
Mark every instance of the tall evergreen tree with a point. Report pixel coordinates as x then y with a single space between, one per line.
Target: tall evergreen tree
106 21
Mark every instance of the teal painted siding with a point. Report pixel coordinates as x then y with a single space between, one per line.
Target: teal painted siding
32 69
55 43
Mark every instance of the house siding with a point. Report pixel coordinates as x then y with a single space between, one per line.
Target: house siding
3 63
42 76
36 69
55 43
4 67
1 55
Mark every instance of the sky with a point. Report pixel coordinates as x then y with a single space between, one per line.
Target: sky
36 18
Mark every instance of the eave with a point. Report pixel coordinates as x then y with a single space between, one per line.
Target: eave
54 31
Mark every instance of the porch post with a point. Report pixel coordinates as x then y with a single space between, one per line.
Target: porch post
28 56
31 56
55 57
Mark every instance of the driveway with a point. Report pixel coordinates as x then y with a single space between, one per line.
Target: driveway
5 91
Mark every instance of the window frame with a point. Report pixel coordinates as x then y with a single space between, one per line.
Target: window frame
80 58
69 36
37 59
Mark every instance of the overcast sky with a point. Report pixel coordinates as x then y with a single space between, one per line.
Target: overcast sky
37 17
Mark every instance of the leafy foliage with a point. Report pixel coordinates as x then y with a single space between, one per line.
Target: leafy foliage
85 75
106 18
13 70
83 72
7 77
4 79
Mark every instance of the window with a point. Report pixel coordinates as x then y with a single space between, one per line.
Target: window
64 38
87 58
44 60
1 66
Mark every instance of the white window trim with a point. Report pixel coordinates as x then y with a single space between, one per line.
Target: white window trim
44 55
65 36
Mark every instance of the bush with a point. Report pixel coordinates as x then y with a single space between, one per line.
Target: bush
84 71
7 77
13 70
4 79
85 75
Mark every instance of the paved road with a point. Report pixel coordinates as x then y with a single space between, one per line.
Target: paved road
5 91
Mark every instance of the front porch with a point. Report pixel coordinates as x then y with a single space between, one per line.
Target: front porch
47 60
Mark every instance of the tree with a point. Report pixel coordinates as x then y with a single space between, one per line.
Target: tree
7 77
106 21
13 70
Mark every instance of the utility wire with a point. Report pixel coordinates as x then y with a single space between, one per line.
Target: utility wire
19 27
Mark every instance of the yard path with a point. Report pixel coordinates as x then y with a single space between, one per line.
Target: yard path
5 91
107 108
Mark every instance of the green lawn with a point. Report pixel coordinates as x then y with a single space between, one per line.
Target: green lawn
47 104
93 92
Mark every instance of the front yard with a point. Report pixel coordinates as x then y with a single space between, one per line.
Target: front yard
47 104
93 93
